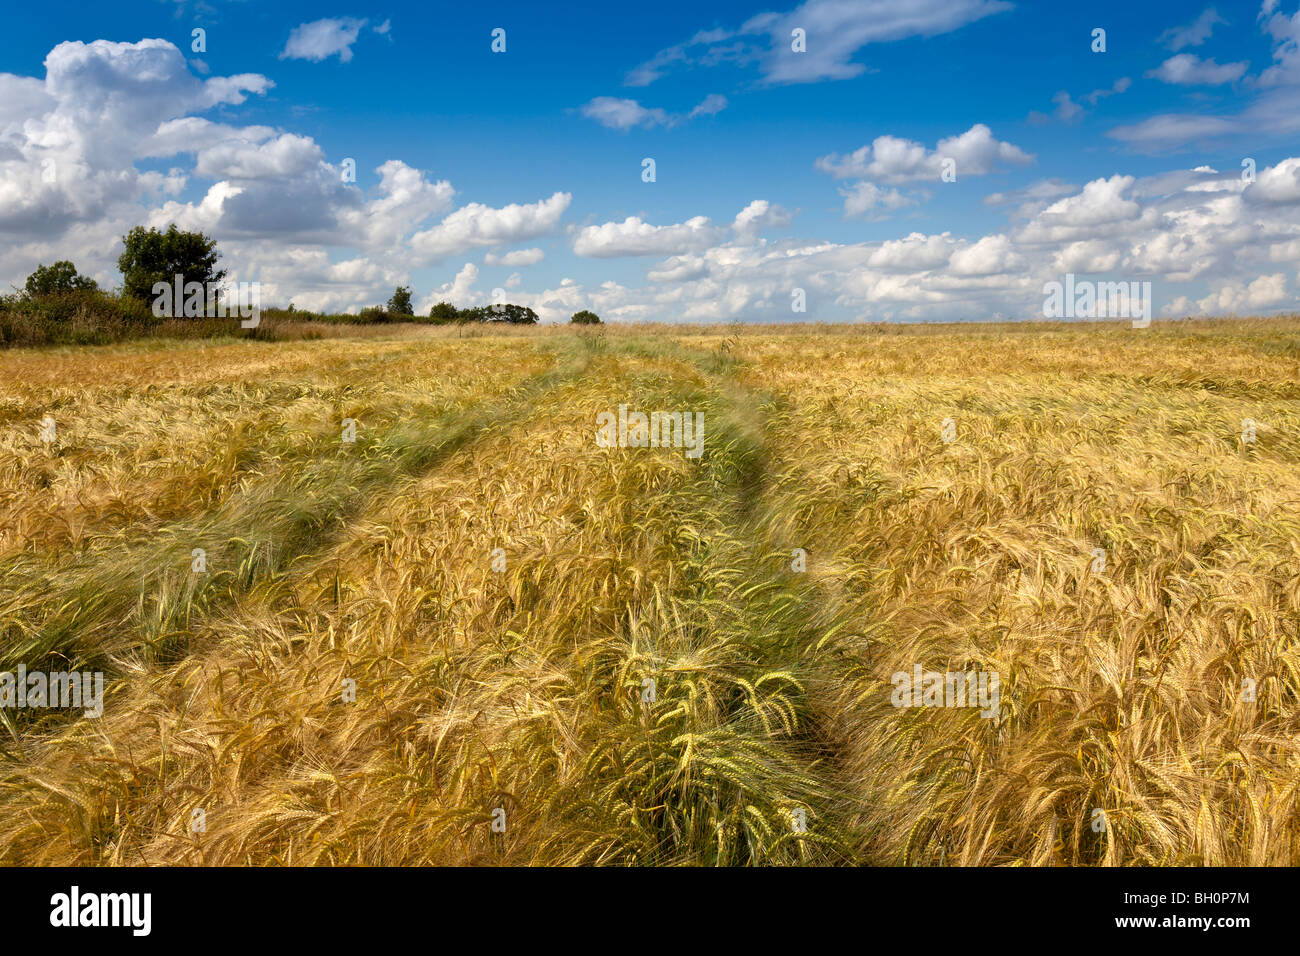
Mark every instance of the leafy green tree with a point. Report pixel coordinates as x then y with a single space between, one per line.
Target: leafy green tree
58 278
444 312
585 318
501 312
400 303
153 256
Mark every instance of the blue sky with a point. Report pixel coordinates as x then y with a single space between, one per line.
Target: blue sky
775 169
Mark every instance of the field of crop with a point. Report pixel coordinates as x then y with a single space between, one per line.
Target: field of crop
475 636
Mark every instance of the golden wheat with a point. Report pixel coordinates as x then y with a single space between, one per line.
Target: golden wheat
515 696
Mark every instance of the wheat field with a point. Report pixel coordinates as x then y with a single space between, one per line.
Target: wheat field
432 645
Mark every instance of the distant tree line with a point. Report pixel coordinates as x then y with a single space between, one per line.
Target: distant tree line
400 309
444 312
505 312
152 255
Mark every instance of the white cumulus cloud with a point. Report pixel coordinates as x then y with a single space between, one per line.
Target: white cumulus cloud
322 39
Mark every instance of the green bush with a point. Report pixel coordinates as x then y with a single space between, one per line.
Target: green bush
299 315
585 318
87 317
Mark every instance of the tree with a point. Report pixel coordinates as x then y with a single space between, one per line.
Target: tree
152 256
585 318
514 314
500 312
400 303
58 278
444 312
